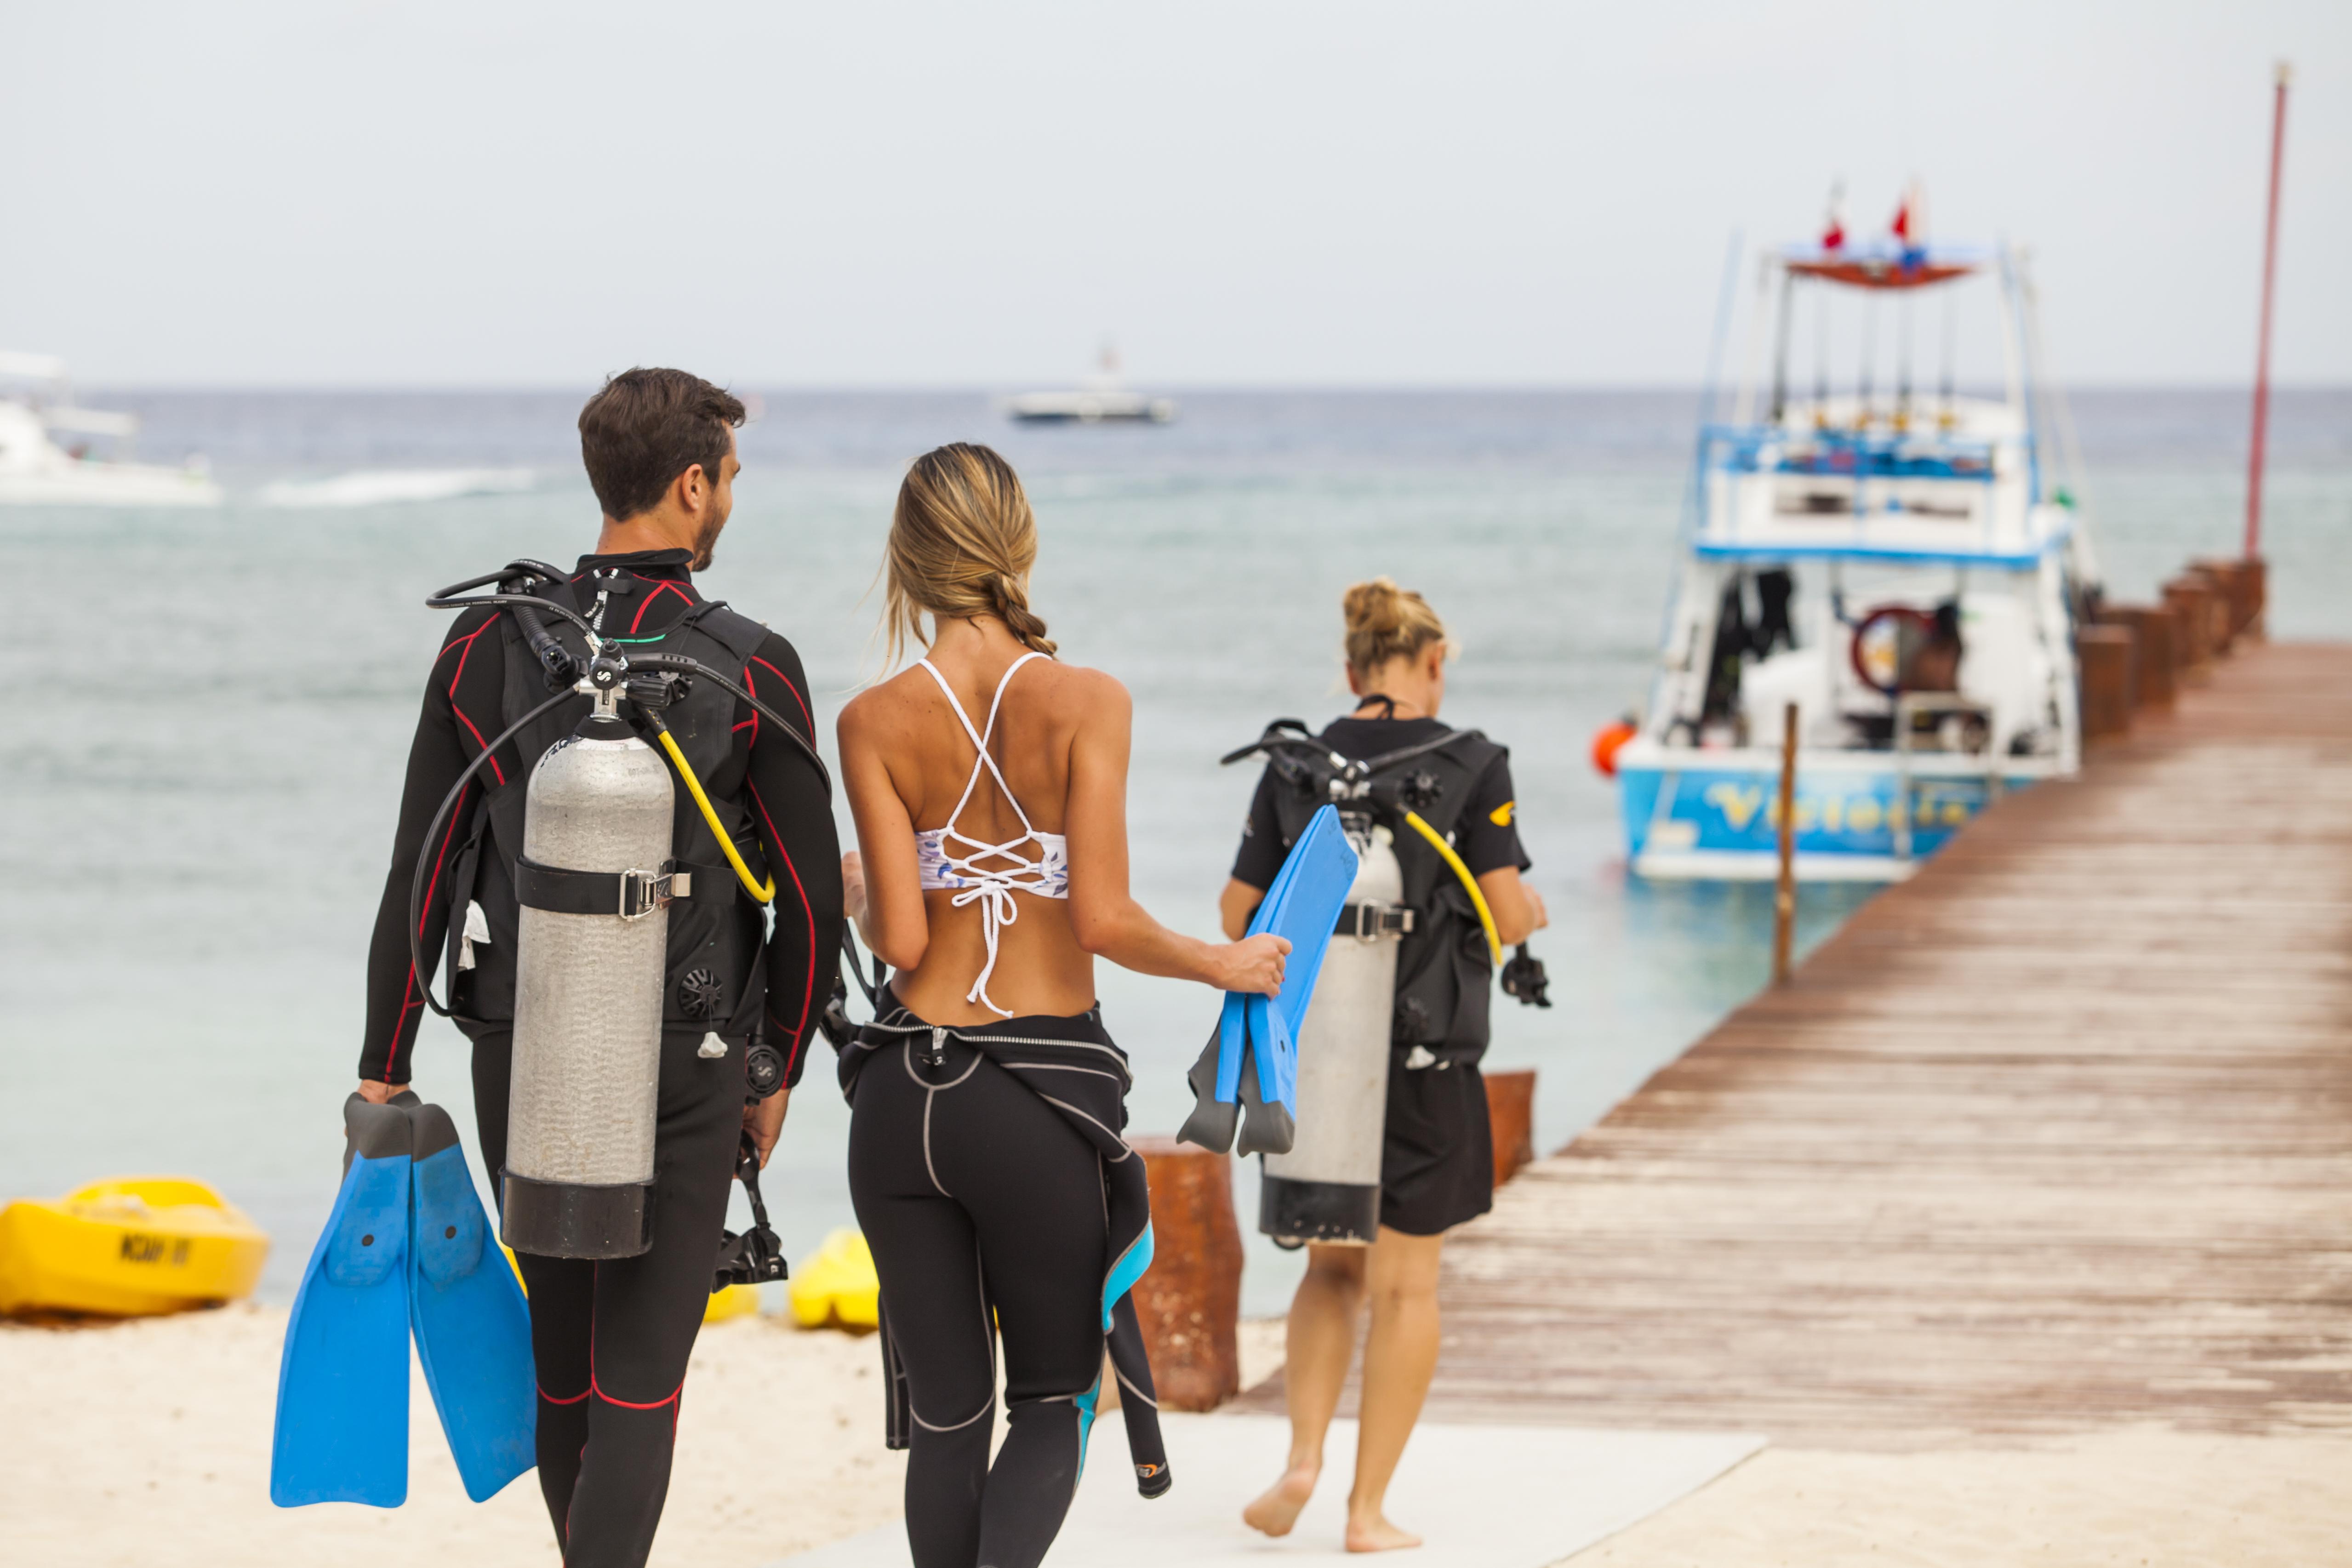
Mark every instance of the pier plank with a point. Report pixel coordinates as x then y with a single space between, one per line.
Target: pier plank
2057 1136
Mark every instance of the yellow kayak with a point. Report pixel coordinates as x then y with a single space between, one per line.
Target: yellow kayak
734 1301
837 1286
131 1247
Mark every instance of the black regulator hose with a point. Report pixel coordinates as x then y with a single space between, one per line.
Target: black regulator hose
424 862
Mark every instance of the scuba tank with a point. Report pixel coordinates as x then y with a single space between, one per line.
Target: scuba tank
1327 1187
595 885
592 887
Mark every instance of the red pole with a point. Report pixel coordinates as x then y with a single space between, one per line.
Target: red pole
2263 354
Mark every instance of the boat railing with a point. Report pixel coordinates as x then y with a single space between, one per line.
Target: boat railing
1909 706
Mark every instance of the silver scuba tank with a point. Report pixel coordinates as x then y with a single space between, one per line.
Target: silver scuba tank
590 959
1327 1187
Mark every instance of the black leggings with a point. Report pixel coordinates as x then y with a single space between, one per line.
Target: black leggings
611 1339
974 1193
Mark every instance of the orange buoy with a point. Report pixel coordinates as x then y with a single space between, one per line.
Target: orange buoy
1607 742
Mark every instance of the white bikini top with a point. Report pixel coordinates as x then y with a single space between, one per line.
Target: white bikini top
991 887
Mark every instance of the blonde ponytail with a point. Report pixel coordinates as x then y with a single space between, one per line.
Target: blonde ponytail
1384 623
962 540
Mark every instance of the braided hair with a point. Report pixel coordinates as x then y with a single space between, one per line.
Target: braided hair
962 540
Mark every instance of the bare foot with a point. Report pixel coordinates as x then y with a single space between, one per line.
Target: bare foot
1276 1510
1377 1534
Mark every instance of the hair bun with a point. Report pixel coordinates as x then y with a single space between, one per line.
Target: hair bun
1385 621
1377 607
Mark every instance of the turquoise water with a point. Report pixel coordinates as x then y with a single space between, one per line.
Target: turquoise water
212 710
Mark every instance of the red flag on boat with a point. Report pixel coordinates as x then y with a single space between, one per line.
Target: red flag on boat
1834 223
1901 227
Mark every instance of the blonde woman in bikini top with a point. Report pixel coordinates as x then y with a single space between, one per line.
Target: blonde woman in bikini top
987 1155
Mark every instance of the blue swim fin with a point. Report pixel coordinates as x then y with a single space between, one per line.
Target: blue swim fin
1262 1032
343 1379
473 1328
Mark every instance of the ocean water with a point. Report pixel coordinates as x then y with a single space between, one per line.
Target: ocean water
213 708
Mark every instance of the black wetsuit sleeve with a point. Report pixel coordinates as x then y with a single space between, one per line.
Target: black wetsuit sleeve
1486 836
793 817
460 696
1262 850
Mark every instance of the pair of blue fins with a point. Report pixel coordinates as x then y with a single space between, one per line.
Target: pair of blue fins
407 1247
1247 1075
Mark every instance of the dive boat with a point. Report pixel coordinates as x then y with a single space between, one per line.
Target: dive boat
1905 569
1102 400
35 470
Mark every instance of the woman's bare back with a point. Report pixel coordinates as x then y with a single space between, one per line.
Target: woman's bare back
910 727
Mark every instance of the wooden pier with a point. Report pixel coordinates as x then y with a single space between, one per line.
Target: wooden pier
2055 1136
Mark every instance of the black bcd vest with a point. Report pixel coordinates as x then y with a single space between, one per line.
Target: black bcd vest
1444 969
715 981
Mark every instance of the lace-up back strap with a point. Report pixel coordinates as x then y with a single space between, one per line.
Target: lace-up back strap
948 858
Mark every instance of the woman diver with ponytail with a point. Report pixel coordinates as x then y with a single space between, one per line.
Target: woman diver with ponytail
986 1155
1436 1157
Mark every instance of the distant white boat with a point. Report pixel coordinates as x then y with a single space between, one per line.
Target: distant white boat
1100 400
36 471
393 487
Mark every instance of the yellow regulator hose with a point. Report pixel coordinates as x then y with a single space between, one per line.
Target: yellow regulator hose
1445 851
743 872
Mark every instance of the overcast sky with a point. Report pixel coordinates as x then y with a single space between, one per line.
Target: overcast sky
1289 192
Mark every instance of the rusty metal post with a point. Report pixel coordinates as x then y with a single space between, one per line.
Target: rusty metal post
1511 1110
1189 1301
1784 897
2106 654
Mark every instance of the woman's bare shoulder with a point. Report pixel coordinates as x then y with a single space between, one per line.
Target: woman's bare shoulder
881 707
1090 687
1088 693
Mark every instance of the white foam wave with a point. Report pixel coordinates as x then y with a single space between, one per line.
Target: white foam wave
391 487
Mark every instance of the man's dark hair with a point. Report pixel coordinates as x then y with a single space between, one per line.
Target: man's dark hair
647 427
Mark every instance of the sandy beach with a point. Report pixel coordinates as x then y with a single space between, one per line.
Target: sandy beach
147 1444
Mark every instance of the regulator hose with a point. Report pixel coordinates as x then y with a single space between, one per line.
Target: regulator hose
416 883
711 818
1469 884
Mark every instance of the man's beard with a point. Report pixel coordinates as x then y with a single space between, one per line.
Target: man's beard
705 545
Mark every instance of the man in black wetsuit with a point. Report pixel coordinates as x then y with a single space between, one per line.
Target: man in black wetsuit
611 1339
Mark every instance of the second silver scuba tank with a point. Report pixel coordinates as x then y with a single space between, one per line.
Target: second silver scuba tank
1327 1187
592 956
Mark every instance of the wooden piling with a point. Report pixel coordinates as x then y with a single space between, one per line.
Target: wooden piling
2242 583
1189 1301
1511 1110
2106 653
1784 894
2193 599
2155 631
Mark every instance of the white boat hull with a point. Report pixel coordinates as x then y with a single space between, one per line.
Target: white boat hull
110 484
1714 814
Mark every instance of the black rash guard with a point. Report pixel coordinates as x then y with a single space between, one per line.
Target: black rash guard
788 800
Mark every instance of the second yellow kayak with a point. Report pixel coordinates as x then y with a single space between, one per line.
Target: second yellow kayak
835 1285
129 1246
